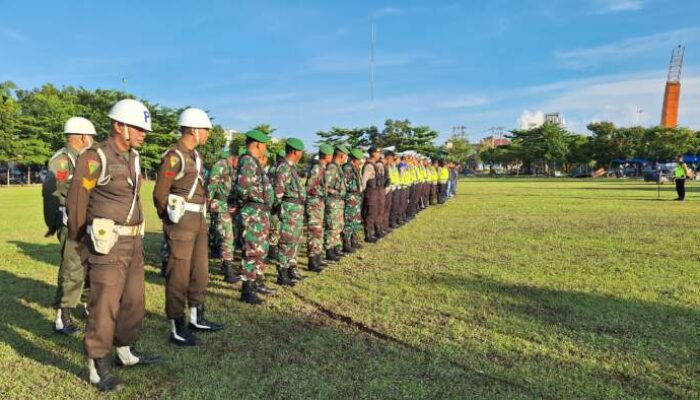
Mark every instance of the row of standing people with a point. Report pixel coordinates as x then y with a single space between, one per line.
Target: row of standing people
92 202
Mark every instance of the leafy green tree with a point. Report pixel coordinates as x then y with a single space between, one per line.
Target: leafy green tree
457 149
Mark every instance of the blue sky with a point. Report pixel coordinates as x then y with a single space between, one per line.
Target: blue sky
303 66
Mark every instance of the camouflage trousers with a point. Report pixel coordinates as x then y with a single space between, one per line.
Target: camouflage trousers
274 236
353 215
224 230
315 209
334 222
255 221
291 226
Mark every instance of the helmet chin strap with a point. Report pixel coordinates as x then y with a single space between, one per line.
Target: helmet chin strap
196 136
126 133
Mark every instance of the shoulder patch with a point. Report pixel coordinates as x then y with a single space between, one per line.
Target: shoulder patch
62 175
93 166
173 160
63 163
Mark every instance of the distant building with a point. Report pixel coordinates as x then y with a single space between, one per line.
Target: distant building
554 118
491 141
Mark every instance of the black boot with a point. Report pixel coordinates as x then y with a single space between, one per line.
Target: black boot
338 251
315 264
180 335
272 254
128 356
283 278
369 238
199 323
331 256
295 275
101 377
248 294
380 233
163 268
64 323
260 287
232 274
347 246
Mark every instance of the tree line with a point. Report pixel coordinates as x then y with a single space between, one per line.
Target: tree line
552 147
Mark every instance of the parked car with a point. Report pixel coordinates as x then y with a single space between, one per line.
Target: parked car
661 176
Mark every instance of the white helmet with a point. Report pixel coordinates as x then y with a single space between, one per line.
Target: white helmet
131 112
79 126
194 118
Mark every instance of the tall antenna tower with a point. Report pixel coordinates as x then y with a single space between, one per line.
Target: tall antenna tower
672 95
373 32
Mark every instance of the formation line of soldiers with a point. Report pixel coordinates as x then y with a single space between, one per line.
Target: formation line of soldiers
92 203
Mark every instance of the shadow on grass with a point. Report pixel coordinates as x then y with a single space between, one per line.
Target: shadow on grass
647 348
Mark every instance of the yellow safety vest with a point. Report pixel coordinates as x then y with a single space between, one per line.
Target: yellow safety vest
444 175
679 172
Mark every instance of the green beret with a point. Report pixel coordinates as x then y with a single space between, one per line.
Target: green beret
295 143
225 153
357 154
342 149
281 153
242 151
258 136
325 149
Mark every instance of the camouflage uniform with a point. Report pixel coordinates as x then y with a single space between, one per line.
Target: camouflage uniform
255 196
315 206
274 236
353 201
335 205
219 190
290 192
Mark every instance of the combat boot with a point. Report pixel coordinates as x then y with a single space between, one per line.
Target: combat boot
259 286
199 323
63 323
380 233
163 268
331 256
180 335
283 278
338 251
101 377
232 274
248 294
272 254
128 356
295 275
315 264
347 246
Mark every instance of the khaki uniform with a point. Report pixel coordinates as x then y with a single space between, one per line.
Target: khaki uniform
116 301
187 273
71 271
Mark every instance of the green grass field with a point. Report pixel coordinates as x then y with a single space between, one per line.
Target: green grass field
517 288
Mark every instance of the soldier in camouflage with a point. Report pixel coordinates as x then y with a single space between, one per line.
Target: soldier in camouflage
290 194
353 201
335 203
274 236
315 206
219 190
71 271
255 197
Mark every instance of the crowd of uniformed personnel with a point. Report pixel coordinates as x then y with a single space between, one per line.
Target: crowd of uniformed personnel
257 205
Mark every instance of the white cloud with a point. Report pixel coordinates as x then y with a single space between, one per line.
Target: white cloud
613 6
623 49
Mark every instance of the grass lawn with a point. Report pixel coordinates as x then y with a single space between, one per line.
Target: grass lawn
517 288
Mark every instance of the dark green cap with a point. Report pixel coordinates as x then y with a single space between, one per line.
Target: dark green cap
325 149
281 153
258 136
342 149
357 154
295 143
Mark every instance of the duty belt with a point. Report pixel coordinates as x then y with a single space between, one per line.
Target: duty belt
293 200
122 230
197 208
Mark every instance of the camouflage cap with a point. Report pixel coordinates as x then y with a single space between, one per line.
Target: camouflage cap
295 143
325 149
257 136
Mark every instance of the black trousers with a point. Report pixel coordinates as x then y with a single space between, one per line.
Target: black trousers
680 188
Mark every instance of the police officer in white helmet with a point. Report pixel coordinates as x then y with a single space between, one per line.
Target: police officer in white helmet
105 213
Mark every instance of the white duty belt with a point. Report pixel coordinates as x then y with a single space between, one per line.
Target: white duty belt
197 208
123 230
